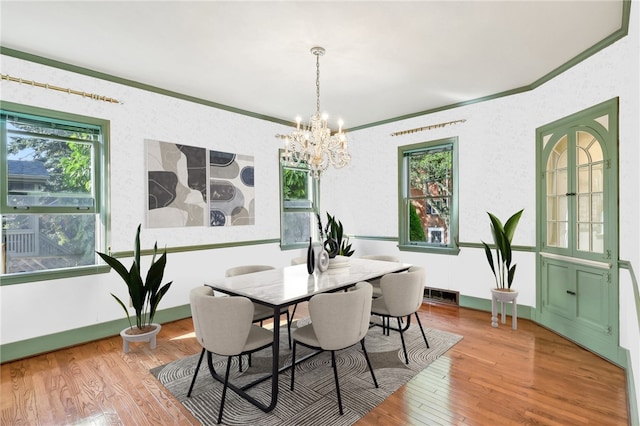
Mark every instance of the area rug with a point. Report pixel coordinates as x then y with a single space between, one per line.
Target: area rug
314 400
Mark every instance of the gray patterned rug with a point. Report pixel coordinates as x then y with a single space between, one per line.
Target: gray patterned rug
314 401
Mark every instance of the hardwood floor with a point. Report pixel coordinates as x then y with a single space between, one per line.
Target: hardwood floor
494 376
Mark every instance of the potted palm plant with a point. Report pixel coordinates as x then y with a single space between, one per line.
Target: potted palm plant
145 295
501 266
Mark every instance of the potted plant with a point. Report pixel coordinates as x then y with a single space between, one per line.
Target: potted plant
335 231
501 266
145 295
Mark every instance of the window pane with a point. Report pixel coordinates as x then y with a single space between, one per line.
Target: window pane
298 214
596 178
583 237
296 185
597 235
48 241
296 227
48 169
583 179
430 175
584 208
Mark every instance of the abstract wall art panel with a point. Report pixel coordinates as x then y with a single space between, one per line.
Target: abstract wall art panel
177 185
231 189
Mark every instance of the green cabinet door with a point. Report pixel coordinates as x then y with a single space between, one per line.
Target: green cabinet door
577 222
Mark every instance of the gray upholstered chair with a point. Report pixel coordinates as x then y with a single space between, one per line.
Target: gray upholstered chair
224 326
338 321
261 312
375 283
402 295
298 260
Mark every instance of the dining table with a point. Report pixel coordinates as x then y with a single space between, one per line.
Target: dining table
280 288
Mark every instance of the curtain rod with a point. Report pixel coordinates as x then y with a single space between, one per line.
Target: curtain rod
432 126
60 89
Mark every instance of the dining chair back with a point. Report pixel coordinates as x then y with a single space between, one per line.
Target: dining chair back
402 296
223 326
338 321
246 269
298 260
260 312
375 283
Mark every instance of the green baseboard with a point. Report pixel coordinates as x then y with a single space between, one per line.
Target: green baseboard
480 304
77 336
634 415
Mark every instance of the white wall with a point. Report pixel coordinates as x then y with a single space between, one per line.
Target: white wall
497 174
52 306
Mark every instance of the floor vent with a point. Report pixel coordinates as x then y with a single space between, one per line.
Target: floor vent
437 295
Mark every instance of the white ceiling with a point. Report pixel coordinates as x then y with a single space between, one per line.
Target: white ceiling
384 59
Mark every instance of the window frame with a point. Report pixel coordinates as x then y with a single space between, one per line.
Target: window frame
404 244
100 176
313 210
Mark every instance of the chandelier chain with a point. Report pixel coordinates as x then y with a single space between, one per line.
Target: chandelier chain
318 84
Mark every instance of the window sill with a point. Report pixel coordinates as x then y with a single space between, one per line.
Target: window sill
28 277
429 249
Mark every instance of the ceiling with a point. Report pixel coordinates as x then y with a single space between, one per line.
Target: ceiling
384 59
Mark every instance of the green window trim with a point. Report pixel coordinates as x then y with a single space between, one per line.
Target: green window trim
407 213
99 191
311 207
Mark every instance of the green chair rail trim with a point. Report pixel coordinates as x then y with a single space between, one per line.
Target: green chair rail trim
78 336
373 237
625 264
183 249
461 244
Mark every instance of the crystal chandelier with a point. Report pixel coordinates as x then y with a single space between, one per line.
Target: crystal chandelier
313 146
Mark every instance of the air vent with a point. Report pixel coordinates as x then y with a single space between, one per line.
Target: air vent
438 295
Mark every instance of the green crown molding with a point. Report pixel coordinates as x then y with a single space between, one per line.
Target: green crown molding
131 83
612 38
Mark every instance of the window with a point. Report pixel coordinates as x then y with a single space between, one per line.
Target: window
298 206
52 207
428 196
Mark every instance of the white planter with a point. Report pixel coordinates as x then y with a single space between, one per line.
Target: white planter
149 336
501 296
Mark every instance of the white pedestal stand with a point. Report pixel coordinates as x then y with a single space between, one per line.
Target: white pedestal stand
503 296
149 336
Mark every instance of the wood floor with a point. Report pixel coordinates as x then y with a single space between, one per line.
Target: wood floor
494 376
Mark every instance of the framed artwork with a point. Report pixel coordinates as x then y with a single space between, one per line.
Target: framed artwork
176 185
231 189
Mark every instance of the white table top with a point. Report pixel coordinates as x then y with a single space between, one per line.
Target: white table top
292 284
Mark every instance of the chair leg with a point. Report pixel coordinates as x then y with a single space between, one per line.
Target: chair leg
335 376
366 356
224 389
240 363
195 373
404 347
422 330
293 364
